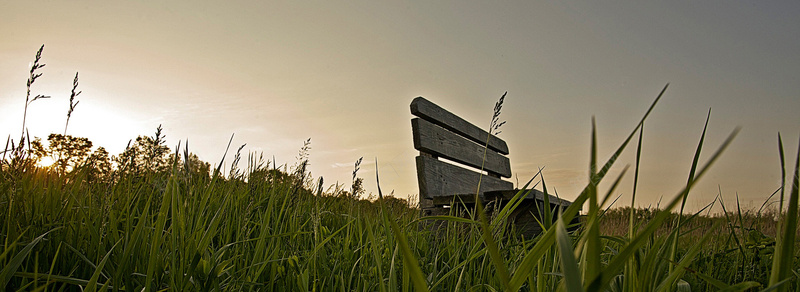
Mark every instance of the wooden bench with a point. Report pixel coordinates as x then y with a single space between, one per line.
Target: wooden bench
440 135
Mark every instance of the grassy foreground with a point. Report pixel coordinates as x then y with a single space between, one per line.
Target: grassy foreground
266 229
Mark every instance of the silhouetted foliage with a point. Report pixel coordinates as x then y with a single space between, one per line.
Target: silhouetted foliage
357 188
31 79
191 165
67 151
147 154
99 166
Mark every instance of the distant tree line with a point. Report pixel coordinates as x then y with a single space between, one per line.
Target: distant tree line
69 153
144 156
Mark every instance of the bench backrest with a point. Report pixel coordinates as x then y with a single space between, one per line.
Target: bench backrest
439 133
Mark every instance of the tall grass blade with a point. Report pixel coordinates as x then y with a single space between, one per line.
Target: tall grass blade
512 204
611 190
548 211
157 238
783 173
491 247
782 198
218 170
376 255
783 259
11 267
591 259
618 262
777 285
629 283
445 218
91 286
686 194
459 267
673 278
732 227
529 261
410 262
572 275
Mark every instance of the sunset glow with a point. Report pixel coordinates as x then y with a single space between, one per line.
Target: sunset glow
46 161
276 74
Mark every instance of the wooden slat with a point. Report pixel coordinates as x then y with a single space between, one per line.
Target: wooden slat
466 199
427 110
504 195
439 142
534 194
438 178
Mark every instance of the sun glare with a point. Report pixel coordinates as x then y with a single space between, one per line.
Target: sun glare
46 161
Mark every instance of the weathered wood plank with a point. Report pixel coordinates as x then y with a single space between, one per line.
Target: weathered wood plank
427 110
534 194
440 142
438 178
504 195
468 199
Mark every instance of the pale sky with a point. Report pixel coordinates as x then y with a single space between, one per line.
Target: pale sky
343 73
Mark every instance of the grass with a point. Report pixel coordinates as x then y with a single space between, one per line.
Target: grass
265 228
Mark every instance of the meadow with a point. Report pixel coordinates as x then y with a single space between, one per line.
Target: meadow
264 227
153 219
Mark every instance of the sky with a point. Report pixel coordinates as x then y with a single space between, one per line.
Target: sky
343 73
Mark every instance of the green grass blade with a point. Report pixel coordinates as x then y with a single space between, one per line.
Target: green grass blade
410 262
11 267
686 194
779 235
134 238
445 218
327 239
783 173
613 187
569 266
512 204
744 286
783 260
218 170
674 276
55 278
209 233
459 267
777 285
621 259
548 211
714 282
635 184
157 238
545 242
529 261
696 160
91 286
617 153
629 283
8 247
376 254
491 246
591 259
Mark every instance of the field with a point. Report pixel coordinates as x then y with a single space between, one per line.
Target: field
152 219
172 226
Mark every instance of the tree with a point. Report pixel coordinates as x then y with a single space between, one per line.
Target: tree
72 153
67 151
192 166
99 165
147 154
